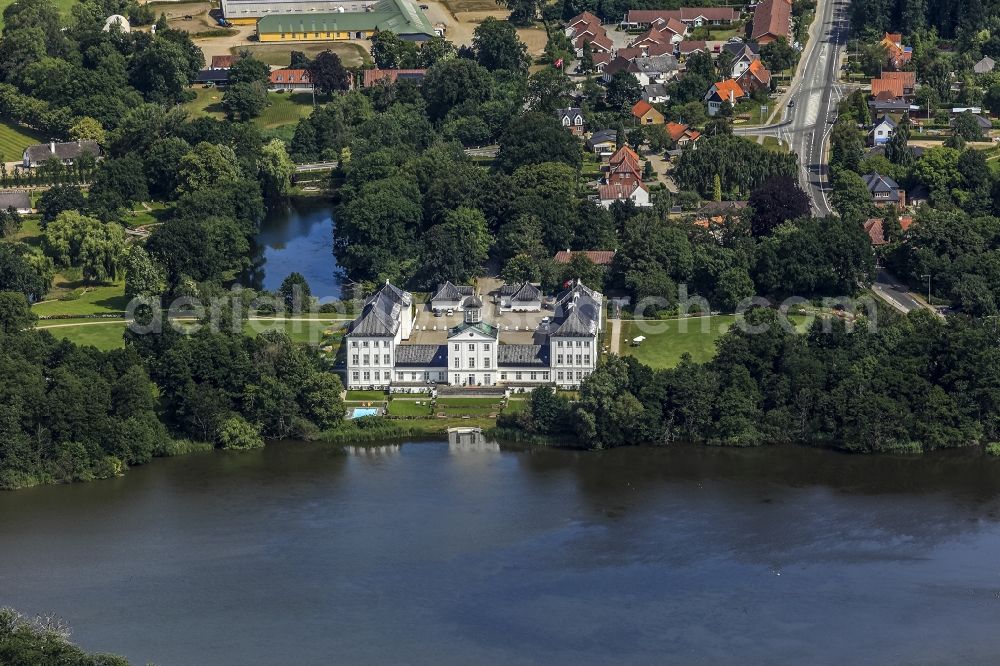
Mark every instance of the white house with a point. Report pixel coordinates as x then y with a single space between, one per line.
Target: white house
524 297
66 152
450 296
19 200
882 131
571 118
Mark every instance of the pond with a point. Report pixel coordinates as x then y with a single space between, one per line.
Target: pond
298 237
452 554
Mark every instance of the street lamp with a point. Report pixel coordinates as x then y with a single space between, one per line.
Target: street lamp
928 277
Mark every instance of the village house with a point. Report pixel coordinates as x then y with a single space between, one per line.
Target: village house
632 190
223 61
646 70
743 56
884 190
572 119
645 114
623 166
881 131
985 124
897 55
290 80
722 92
717 212
755 77
772 20
213 77
909 80
694 17
682 135
580 21
67 152
603 142
655 93
875 228
690 47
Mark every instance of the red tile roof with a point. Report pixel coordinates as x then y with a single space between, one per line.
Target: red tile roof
875 230
772 17
373 76
584 17
728 90
758 71
891 87
618 191
641 108
691 46
222 61
599 257
909 79
622 154
290 76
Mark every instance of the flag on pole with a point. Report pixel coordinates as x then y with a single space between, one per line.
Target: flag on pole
559 63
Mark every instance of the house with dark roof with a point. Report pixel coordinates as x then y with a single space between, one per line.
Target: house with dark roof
692 16
655 93
603 142
19 200
884 190
572 119
522 297
772 20
450 296
215 77
66 152
743 54
881 131
386 319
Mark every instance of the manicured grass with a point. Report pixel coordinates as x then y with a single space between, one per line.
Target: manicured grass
352 55
14 138
399 407
285 109
467 403
85 300
365 395
664 347
207 102
774 145
30 232
97 333
514 406
666 341
64 7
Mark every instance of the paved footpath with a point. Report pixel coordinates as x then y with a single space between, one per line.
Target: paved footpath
616 335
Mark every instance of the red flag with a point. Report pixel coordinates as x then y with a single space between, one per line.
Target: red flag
558 63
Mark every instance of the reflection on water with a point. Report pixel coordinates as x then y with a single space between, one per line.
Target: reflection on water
470 440
297 237
373 451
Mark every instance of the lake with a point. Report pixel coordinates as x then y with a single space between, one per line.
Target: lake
298 237
430 553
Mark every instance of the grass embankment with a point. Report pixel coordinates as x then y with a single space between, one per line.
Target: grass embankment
282 109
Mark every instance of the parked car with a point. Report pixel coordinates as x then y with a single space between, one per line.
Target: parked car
438 313
451 312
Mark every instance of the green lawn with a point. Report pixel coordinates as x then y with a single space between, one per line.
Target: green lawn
775 145
14 138
365 395
85 300
515 405
101 334
352 55
671 338
401 407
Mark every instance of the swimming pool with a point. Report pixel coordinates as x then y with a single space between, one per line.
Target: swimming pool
361 412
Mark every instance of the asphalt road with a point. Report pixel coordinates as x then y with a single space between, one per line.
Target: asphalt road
887 287
811 102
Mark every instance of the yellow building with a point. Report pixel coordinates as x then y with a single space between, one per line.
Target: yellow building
402 17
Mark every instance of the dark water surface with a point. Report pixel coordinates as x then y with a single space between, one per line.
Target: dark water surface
298 237
424 554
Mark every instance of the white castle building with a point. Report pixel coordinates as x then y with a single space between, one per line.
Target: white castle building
383 352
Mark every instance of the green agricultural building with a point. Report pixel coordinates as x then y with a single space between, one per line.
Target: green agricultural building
402 17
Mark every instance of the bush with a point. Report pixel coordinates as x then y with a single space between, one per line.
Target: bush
993 448
238 433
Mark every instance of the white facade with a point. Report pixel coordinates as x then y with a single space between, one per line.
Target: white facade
473 353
